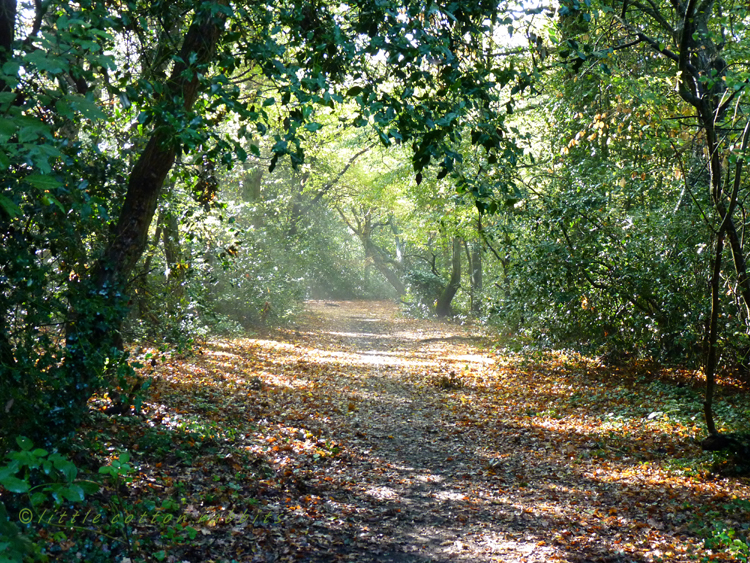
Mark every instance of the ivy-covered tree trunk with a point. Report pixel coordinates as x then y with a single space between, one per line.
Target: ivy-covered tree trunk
443 305
100 303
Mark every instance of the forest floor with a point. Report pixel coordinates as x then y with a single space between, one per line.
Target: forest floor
361 435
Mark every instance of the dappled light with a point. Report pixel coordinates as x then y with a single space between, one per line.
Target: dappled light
397 449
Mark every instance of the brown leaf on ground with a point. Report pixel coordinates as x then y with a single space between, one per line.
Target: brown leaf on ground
361 435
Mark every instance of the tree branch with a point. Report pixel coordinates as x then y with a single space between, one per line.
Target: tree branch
652 11
682 62
322 191
683 65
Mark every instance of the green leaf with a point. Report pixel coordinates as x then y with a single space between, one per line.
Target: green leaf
31 129
88 108
67 468
9 207
313 126
43 182
8 471
15 485
49 199
89 487
45 62
24 443
8 128
74 493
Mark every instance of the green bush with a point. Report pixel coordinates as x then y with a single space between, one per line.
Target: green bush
37 476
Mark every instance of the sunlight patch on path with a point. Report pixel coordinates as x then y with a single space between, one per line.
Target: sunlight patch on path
382 492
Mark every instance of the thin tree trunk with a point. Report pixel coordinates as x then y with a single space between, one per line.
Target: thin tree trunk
141 301
470 262
298 209
476 277
712 335
173 256
443 305
171 240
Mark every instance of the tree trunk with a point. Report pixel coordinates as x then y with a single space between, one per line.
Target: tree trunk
373 254
476 278
95 328
147 177
712 334
398 239
383 268
173 255
140 293
171 240
251 185
298 209
443 305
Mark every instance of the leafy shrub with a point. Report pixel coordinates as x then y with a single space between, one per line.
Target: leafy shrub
424 286
39 476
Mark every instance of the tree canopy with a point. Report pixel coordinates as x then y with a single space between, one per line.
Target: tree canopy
112 109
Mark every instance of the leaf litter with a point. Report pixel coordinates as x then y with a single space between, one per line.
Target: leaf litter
361 435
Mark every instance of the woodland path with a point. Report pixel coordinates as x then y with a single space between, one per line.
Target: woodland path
419 461
397 440
432 471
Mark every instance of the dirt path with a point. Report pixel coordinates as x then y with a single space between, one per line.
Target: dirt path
438 466
417 496
396 440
